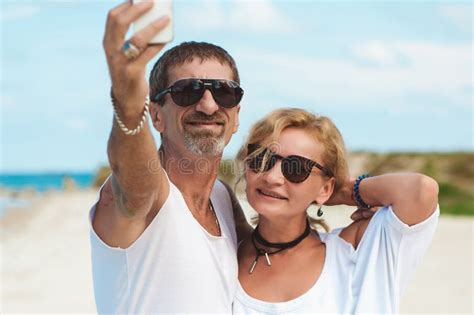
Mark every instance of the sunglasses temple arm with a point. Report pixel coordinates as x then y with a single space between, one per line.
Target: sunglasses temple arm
323 169
326 171
161 94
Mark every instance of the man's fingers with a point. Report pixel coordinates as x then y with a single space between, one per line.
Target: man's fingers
120 8
113 14
143 37
126 17
119 20
148 54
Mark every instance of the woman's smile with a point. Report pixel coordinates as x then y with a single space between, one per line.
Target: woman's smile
270 194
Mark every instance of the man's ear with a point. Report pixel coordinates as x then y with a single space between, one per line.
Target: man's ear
325 191
157 117
237 121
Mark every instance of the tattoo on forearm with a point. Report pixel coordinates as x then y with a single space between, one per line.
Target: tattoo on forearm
121 199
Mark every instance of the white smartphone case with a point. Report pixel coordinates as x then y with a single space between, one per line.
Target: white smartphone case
160 8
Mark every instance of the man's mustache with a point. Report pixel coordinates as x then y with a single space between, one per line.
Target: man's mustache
217 118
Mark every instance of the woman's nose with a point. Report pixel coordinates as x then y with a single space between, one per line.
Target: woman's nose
274 175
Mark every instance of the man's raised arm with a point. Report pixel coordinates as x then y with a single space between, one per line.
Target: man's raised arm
138 183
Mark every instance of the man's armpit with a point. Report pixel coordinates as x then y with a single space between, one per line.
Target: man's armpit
120 199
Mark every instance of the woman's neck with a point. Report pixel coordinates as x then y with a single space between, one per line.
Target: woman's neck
281 230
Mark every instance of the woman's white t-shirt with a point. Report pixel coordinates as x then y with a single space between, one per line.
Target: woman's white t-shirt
370 279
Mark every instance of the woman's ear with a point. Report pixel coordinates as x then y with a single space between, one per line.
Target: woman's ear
157 118
325 191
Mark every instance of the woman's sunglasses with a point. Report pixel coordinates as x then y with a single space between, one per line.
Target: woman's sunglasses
295 168
187 92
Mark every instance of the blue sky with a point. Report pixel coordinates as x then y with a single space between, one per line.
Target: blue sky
393 75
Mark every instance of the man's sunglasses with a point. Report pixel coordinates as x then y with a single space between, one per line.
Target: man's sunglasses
187 92
295 168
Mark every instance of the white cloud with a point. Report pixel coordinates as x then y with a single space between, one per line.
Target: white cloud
7 101
432 71
458 14
376 53
208 15
13 12
259 16
77 124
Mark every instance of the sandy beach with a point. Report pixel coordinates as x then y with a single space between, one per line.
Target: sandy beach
45 260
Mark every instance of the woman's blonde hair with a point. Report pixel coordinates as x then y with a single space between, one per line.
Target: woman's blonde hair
267 131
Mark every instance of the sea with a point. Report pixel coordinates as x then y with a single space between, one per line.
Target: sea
39 182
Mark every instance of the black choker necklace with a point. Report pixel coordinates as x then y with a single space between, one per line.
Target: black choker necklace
256 236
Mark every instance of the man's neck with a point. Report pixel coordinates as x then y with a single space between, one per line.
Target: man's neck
193 175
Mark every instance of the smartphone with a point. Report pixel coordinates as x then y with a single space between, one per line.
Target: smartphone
160 8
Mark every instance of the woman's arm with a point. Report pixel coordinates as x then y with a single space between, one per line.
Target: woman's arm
413 196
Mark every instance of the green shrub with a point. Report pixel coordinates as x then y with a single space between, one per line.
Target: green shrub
101 175
228 172
455 201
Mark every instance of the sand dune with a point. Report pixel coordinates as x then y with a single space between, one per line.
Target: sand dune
45 260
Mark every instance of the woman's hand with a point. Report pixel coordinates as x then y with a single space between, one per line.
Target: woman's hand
361 214
344 195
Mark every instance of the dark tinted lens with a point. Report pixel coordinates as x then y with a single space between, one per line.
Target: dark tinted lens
227 93
255 163
187 92
295 168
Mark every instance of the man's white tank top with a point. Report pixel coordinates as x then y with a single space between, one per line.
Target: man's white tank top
175 266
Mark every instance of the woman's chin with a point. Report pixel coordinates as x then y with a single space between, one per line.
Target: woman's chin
265 208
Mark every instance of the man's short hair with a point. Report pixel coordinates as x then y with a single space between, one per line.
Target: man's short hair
184 53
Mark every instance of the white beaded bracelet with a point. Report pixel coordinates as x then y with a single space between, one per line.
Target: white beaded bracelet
122 126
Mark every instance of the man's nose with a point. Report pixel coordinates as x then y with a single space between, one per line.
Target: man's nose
207 104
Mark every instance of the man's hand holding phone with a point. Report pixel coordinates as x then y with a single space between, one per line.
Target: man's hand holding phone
127 71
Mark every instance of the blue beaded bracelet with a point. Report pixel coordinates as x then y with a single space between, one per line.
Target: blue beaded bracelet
357 197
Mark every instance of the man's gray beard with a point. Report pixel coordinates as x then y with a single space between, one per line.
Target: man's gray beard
204 143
